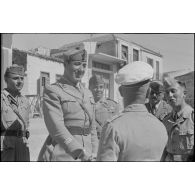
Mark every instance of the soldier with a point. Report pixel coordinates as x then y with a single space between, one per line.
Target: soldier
69 114
15 110
156 105
105 108
179 123
135 134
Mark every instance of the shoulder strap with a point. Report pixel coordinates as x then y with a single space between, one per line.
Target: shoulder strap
8 99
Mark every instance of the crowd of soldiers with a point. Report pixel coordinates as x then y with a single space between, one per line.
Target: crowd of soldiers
156 123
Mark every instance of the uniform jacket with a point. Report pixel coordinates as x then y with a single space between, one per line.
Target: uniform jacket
63 114
162 110
180 128
105 109
133 135
12 147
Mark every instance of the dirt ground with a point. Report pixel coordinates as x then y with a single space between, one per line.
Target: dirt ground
38 134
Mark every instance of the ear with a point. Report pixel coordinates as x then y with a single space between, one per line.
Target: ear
121 90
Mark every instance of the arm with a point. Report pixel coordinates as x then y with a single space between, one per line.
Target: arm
108 148
54 121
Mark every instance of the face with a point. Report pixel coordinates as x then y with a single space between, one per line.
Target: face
175 95
75 71
97 91
155 97
14 82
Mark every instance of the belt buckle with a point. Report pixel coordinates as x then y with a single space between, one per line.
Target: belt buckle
19 134
85 131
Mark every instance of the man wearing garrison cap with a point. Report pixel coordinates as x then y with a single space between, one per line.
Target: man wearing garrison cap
156 105
105 107
179 123
135 134
15 111
69 114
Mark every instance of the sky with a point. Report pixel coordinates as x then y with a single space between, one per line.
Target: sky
177 49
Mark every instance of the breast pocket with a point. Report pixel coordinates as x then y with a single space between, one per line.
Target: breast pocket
70 106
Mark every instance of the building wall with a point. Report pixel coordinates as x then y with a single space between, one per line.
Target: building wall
108 48
34 66
155 58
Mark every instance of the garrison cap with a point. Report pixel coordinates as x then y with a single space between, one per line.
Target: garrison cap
75 55
157 86
134 73
15 69
169 81
95 80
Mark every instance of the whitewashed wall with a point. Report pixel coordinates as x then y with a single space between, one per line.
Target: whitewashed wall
35 66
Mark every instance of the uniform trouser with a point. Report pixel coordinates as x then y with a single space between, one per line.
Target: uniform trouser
20 152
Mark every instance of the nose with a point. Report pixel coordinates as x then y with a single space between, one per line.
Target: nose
170 94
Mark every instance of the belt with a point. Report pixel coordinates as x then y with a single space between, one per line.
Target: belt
178 157
74 130
18 133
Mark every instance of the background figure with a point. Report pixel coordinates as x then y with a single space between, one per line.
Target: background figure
156 105
69 114
15 110
104 108
135 134
179 123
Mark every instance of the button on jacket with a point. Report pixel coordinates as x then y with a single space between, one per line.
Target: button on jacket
180 128
14 148
134 135
64 116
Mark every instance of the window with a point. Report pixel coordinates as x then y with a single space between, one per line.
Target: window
124 52
58 76
150 61
135 55
43 81
157 70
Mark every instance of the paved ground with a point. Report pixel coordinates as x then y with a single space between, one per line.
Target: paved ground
38 134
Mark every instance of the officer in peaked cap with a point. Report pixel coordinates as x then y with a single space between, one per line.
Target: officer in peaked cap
15 111
179 123
135 134
69 114
105 107
157 105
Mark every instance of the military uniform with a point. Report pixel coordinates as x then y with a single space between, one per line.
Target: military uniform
14 125
134 135
104 109
161 111
69 117
180 128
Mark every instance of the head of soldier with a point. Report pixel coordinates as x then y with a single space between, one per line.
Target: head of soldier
75 65
134 80
175 92
14 78
156 92
96 85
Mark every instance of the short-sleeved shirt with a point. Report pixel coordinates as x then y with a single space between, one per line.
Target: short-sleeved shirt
180 128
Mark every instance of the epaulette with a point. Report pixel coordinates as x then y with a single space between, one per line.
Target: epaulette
115 117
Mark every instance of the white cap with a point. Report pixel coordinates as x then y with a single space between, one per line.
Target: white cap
134 72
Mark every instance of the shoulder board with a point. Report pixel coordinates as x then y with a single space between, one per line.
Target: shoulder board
115 117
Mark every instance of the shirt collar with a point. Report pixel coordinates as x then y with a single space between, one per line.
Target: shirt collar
136 108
